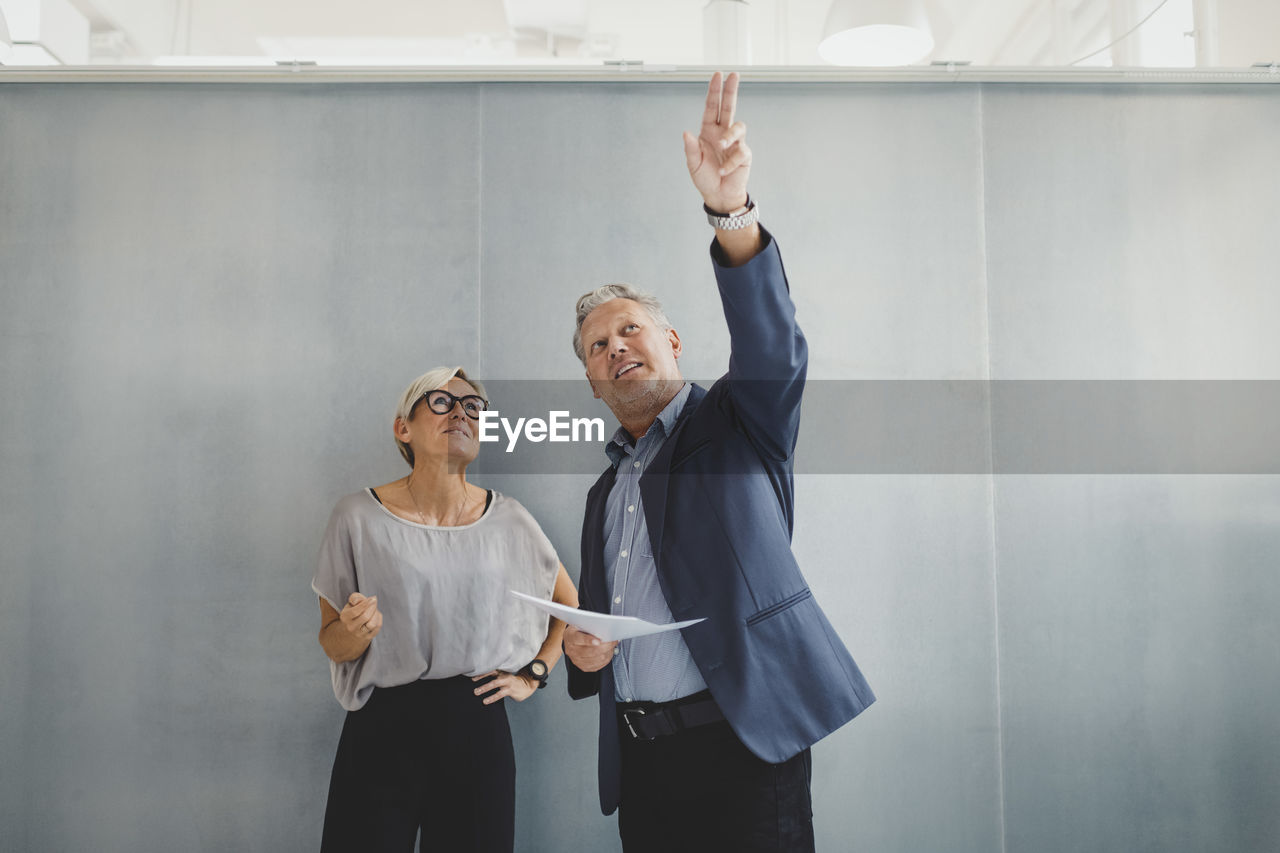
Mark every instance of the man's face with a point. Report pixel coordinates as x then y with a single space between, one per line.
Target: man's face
631 362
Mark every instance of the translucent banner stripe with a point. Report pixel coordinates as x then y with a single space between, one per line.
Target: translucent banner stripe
939 427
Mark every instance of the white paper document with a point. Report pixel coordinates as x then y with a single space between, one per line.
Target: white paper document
602 625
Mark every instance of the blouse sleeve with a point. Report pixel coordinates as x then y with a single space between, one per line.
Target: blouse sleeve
336 576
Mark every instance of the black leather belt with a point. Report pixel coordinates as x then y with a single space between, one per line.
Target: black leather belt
649 720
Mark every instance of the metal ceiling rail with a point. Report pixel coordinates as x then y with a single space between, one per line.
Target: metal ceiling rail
633 72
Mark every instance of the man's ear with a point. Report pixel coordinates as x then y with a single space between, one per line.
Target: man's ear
674 339
594 391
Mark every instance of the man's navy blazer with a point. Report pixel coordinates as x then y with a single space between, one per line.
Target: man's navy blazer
719 501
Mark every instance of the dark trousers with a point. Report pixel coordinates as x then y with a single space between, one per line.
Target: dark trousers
427 754
702 790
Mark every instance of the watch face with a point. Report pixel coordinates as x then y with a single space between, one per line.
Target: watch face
538 668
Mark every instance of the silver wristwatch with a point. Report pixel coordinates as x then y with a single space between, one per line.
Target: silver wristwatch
735 220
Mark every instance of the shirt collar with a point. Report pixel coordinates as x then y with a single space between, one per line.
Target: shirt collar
621 444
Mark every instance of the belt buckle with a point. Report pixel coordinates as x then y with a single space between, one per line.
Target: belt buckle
626 717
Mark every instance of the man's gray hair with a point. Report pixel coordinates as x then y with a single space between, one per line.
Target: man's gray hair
593 300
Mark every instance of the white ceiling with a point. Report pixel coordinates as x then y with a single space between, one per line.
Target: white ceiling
783 32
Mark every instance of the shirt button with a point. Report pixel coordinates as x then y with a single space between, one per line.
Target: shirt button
622 553
635 464
617 651
618 600
631 508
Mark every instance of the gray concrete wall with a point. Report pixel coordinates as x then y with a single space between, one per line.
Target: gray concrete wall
211 295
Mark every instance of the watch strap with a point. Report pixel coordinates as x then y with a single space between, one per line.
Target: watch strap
527 669
735 220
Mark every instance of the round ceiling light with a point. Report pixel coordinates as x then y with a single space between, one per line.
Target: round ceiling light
875 33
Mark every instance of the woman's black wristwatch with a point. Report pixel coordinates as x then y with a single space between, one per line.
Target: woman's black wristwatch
537 670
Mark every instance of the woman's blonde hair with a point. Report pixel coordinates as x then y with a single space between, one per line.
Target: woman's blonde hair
437 377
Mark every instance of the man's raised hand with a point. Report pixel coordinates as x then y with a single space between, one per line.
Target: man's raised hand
718 157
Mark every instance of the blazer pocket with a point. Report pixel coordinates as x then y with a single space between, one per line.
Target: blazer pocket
781 607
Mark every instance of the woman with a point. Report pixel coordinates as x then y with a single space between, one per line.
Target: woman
426 640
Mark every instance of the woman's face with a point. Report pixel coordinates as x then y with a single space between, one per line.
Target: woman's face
453 435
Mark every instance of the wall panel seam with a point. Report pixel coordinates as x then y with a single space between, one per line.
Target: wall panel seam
995 533
480 231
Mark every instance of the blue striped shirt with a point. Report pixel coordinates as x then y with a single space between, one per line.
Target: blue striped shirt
656 668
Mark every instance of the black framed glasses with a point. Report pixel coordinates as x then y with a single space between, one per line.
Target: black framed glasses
442 402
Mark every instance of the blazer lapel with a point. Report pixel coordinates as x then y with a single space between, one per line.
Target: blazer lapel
653 483
591 581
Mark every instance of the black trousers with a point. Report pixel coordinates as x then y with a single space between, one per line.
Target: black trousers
428 754
702 791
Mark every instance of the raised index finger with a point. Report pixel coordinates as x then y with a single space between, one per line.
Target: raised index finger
729 99
711 115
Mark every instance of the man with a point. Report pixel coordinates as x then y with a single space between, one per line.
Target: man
705 732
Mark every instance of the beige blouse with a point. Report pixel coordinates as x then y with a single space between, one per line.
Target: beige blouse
444 592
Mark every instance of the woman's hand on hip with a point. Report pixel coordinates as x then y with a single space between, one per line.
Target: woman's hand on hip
504 684
361 617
